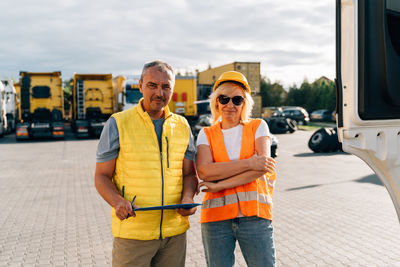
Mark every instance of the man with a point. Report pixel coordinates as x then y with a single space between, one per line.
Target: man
146 153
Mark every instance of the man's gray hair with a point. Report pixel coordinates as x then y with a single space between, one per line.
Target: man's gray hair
162 66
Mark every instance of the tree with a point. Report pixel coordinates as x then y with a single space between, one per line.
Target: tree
272 94
318 95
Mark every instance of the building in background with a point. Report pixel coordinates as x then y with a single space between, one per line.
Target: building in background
251 70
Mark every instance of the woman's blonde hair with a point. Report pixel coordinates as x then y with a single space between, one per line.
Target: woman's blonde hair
247 104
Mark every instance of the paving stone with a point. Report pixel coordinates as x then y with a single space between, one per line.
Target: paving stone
326 210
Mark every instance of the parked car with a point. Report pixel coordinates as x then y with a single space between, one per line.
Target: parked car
299 114
268 112
333 116
203 121
321 115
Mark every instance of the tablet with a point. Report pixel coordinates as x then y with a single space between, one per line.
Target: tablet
170 207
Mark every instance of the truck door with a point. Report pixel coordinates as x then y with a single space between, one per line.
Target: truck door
368 86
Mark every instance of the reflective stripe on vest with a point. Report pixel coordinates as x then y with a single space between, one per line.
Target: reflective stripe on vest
235 198
271 183
254 198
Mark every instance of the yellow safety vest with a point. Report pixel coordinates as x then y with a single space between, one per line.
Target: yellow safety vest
154 178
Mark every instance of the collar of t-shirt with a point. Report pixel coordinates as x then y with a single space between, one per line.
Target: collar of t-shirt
233 141
158 125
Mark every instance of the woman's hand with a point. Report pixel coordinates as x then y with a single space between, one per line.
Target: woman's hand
271 165
262 163
211 187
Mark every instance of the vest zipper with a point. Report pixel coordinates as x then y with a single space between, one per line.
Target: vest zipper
166 138
162 194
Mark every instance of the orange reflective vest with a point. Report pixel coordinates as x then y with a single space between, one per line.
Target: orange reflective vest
254 198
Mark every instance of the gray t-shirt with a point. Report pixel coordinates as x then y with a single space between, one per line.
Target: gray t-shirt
108 147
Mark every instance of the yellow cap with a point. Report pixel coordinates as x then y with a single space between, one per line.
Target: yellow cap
233 76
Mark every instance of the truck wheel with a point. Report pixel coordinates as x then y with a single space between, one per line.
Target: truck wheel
278 126
320 140
292 125
332 142
335 145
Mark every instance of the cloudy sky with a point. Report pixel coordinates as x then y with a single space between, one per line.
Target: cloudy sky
291 39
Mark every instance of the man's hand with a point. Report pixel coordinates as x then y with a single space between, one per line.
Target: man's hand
187 212
123 209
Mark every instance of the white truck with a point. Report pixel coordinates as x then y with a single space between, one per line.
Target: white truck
131 94
11 107
368 86
3 119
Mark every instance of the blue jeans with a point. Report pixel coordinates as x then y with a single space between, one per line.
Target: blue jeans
255 237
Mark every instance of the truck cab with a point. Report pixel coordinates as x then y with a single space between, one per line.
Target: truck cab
41 107
94 101
183 98
10 103
131 94
368 86
3 119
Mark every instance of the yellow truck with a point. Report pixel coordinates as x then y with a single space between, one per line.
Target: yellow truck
94 100
41 105
119 87
184 96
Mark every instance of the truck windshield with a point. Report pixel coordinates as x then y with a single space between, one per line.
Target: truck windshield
133 96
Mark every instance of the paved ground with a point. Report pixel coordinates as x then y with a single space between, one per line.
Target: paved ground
330 210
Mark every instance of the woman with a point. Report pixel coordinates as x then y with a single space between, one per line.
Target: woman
238 176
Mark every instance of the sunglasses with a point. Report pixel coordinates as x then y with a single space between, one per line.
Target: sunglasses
236 100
